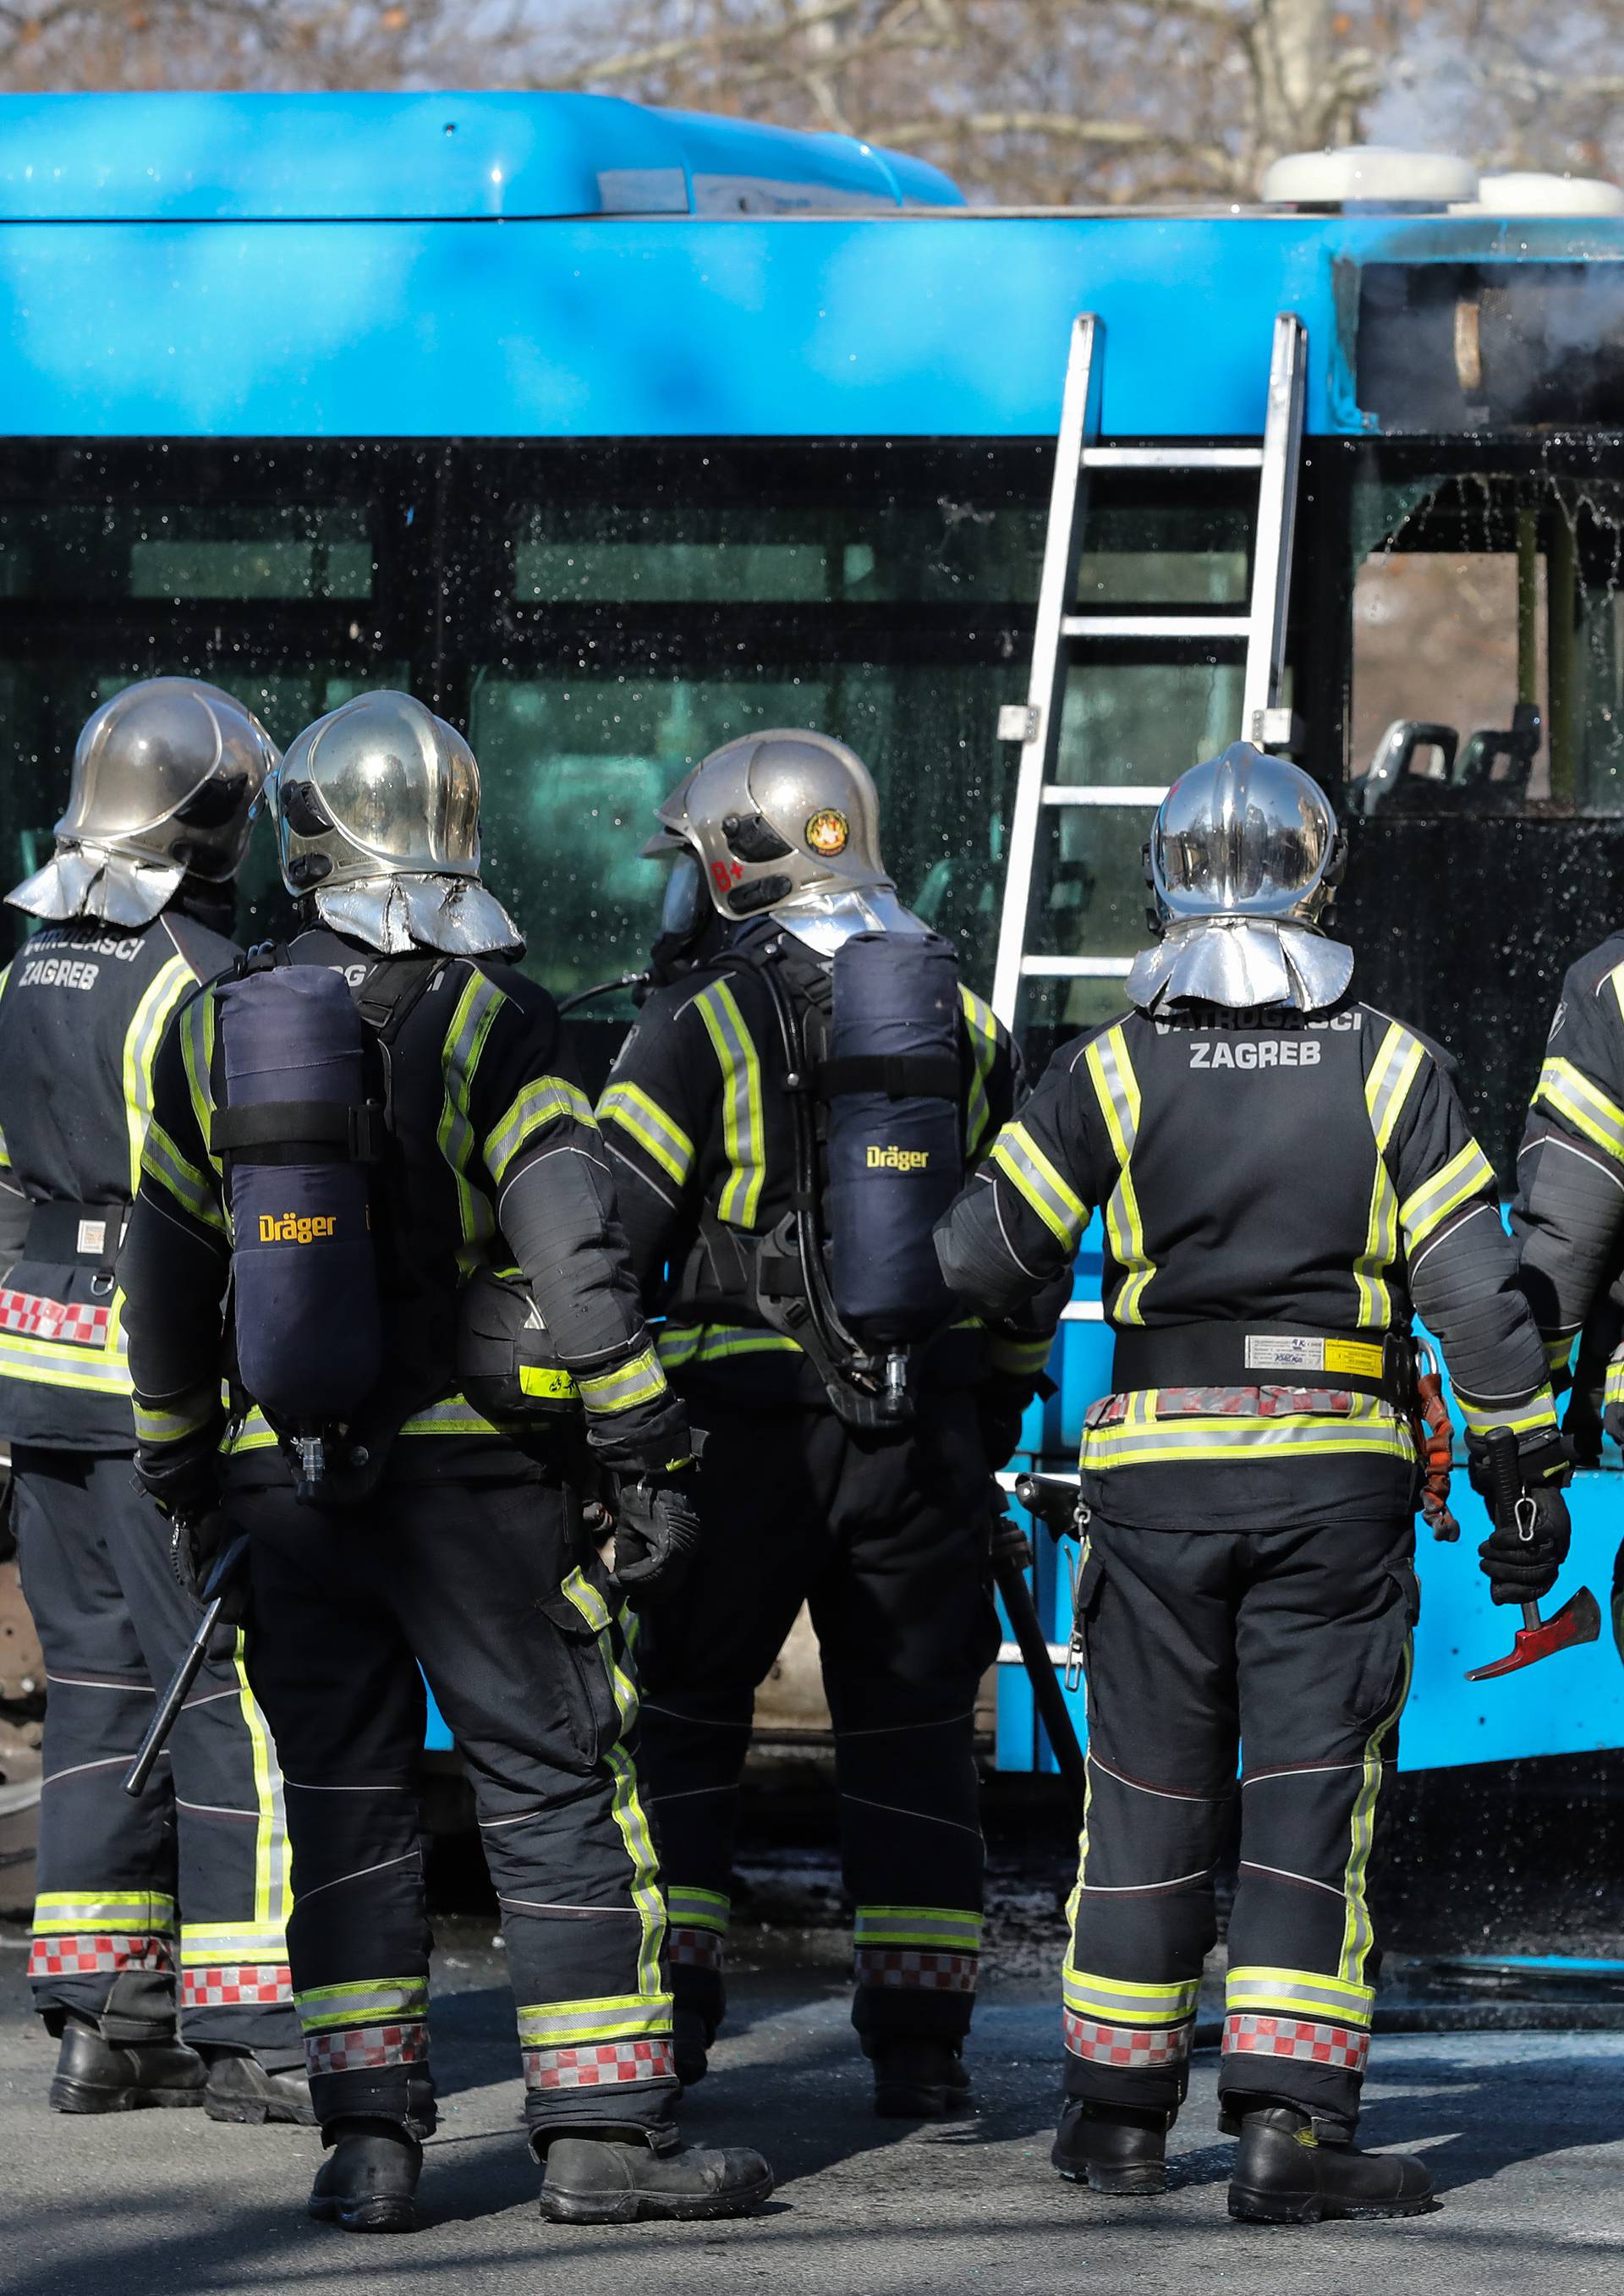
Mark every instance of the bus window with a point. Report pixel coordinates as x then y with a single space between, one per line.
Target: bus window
1487 669
657 601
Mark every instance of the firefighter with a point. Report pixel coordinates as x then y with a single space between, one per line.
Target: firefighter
1284 1174
134 909
424 1531
1569 1212
756 1213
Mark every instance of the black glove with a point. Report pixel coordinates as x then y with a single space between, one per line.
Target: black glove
195 1546
1520 1559
182 1479
657 1529
1000 1406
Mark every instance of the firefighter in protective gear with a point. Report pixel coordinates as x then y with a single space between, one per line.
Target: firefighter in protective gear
883 1530
1568 1217
1285 1174
457 1544
133 910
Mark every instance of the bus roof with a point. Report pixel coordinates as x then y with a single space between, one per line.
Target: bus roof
180 158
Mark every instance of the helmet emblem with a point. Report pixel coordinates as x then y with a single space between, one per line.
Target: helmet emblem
828 833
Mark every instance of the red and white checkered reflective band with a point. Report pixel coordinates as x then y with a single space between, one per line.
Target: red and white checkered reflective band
599 2064
83 1325
694 1949
265 1985
1125 2044
368 2050
98 1955
1344 2045
901 1965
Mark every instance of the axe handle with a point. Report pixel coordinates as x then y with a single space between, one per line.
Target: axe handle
1051 1699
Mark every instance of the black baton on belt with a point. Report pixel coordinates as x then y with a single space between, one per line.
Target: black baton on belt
216 1588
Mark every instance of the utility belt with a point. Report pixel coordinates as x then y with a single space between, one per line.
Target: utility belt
61 1234
1268 1355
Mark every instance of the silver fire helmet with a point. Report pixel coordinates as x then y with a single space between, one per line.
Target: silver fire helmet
1242 864
786 822
377 814
165 778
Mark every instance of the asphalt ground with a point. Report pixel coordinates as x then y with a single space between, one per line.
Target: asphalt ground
1524 2133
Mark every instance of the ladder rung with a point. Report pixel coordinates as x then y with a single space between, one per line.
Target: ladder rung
1172 458
1235 628
1012 1654
1075 968
1134 793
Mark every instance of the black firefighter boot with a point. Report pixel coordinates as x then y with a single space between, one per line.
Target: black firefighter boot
1283 2174
245 2086
918 2080
617 2178
368 2182
97 2076
1111 2148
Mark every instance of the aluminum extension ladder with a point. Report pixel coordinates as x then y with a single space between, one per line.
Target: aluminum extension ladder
1261 629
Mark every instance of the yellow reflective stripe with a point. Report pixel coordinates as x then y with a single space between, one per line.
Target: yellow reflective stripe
45 1363
638 1381
741 1108
1397 1063
1119 2002
162 1161
1522 1418
1395 1069
1116 1088
543 1099
689 1343
1358 1933
698 1909
630 1818
5 1156
983 1031
272 1896
471 1023
162 994
1142 1440
247 1942
453 1416
57 1910
1017 1356
180 1416
1057 1205
621 2017
1466 1174
584 1596
948 1928
1299 1992
1557 1351
659 1136
367 2000
197 1057
1568 1093
550 1381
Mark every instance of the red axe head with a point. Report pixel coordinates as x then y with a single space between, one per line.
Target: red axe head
1579 1620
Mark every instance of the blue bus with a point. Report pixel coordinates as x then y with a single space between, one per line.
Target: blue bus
614 434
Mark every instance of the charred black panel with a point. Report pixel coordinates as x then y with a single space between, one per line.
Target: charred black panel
1465 928
1446 347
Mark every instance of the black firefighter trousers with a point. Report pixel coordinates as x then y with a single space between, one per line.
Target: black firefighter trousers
487 1588
206 1840
1292 1647
887 1540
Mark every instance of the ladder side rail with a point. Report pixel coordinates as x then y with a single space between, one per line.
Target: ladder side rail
1079 423
1277 488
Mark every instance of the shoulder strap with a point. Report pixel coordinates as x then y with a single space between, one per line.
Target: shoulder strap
391 992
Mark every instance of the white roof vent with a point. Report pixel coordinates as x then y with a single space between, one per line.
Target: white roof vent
1369 174
1548 195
